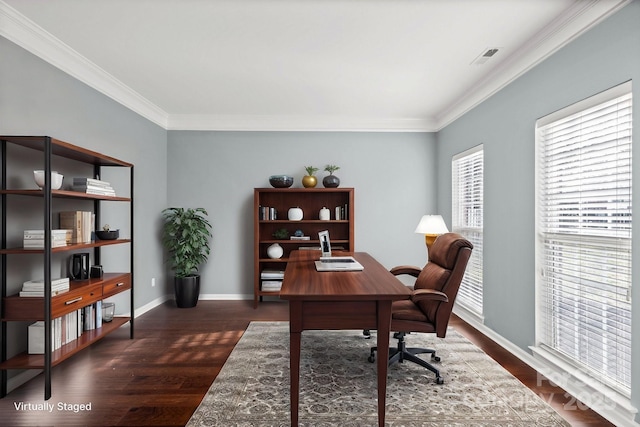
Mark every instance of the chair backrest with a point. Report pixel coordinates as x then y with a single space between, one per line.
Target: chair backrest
448 259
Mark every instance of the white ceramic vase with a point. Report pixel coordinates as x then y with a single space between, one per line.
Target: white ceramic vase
295 214
275 251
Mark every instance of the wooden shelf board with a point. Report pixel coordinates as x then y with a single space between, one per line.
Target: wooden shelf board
95 244
65 194
36 361
304 221
64 149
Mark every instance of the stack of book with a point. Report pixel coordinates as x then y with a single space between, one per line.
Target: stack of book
34 239
35 288
65 329
92 186
271 280
80 223
267 213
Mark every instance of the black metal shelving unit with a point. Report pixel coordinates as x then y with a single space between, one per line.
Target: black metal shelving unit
50 147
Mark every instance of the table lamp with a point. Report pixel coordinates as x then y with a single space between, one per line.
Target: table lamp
431 226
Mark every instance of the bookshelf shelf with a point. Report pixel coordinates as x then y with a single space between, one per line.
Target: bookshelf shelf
310 200
82 293
36 361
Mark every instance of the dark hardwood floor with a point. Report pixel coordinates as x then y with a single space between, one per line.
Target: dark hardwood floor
159 378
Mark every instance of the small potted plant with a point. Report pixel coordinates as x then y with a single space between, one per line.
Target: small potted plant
186 235
309 180
331 181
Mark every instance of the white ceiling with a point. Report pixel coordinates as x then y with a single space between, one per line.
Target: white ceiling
384 65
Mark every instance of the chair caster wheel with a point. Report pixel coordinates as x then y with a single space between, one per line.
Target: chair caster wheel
435 358
439 380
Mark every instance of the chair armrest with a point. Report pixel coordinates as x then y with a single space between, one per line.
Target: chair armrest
428 295
406 269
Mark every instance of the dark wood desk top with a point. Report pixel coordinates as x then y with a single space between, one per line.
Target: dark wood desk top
303 282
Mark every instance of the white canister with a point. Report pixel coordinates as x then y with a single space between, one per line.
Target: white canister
295 214
275 251
325 214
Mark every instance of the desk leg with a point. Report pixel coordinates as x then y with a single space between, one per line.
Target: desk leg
384 329
295 337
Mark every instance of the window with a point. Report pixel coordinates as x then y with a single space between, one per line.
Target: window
468 182
584 236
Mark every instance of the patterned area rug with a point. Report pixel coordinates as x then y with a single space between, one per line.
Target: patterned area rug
338 385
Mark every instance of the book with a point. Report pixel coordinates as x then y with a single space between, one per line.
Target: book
90 181
88 189
35 288
80 223
272 274
92 186
39 244
271 285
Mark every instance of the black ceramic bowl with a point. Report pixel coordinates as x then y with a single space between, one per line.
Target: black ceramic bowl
108 235
281 181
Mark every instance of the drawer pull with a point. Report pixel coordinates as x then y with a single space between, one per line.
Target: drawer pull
119 284
73 301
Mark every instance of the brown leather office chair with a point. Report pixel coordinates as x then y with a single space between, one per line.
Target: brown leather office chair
434 293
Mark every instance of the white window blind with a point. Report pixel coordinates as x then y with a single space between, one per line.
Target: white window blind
467 200
584 228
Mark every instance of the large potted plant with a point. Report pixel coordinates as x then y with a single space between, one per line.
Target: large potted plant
186 235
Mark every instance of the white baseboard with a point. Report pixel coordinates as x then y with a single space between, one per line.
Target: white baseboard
621 414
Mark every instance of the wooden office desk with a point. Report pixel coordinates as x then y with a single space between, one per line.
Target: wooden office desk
339 300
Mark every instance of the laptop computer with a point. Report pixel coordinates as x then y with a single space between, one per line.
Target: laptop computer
329 262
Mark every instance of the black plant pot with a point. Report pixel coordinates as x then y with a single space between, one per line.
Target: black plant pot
331 181
187 290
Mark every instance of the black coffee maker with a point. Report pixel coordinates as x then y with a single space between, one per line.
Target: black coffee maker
79 266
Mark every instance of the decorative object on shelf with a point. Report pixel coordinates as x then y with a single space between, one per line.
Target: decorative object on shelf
96 272
298 233
331 181
281 233
108 310
275 251
79 266
295 214
186 234
107 234
281 181
431 226
309 180
325 214
56 179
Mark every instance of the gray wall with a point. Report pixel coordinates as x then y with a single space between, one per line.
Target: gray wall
606 56
393 175
38 99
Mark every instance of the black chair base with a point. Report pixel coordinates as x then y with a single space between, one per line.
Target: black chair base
402 353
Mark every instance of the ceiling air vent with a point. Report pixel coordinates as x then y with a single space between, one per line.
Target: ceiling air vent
485 56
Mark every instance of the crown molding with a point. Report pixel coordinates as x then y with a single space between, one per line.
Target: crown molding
204 122
20 30
578 19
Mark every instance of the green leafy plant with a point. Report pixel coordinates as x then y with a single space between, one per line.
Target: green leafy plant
311 170
281 233
331 168
186 235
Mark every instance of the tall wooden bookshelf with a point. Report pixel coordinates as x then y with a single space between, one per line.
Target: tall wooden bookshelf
267 201
82 293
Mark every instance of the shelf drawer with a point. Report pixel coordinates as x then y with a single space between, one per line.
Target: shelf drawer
116 285
75 299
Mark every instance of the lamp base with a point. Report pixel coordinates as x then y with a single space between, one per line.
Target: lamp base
429 240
